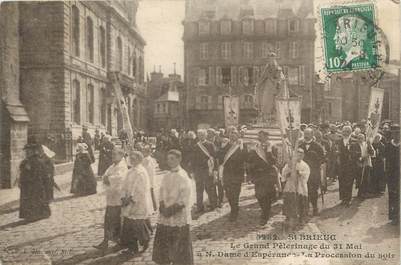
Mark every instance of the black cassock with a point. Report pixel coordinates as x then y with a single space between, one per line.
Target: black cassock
233 175
105 157
393 180
346 168
263 174
34 200
83 179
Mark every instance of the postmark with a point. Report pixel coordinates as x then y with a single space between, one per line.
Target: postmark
350 37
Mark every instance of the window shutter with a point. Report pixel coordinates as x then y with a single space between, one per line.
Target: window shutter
233 76
240 75
218 76
195 76
255 74
301 72
211 76
219 102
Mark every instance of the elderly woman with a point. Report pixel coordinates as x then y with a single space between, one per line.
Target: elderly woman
136 208
34 202
105 153
112 180
83 179
172 243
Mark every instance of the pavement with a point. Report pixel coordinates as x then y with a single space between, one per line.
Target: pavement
76 224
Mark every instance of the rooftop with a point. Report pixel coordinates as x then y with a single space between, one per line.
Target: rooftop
239 9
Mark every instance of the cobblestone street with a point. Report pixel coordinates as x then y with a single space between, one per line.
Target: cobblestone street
76 224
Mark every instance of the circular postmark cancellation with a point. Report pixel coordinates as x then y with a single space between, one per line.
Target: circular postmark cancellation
352 41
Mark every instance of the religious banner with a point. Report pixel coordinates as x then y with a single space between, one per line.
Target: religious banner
374 111
289 117
231 110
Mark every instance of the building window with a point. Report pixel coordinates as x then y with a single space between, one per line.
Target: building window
248 101
90 95
76 102
75 31
293 25
129 61
204 101
134 64
164 108
225 27
204 51
301 72
141 69
247 26
293 50
226 75
203 78
89 38
226 50
102 46
247 49
103 106
157 108
119 45
204 27
270 26
247 76
292 73
267 48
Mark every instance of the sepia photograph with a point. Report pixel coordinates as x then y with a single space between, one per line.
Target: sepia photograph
200 132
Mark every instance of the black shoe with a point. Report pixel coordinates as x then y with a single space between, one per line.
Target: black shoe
129 252
315 212
145 246
102 246
200 211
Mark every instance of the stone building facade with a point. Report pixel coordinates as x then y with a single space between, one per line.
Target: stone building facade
227 45
346 97
66 54
165 101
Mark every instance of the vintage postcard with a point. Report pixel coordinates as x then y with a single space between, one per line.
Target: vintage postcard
200 132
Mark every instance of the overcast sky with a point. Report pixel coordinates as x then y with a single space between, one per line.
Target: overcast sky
160 22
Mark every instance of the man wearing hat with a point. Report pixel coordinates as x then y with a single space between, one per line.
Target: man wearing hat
393 174
33 183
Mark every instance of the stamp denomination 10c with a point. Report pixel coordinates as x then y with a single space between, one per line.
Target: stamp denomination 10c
349 37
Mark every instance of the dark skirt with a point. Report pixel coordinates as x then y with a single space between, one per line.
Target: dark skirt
173 244
134 231
112 223
83 179
295 205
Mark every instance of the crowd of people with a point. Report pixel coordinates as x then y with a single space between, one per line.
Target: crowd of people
219 161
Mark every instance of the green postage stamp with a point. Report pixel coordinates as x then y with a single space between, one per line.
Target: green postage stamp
349 37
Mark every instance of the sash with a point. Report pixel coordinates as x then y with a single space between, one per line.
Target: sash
230 152
210 162
261 153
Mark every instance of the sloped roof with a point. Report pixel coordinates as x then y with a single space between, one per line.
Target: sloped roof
169 96
231 9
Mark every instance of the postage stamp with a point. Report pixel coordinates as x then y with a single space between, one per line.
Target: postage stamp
350 38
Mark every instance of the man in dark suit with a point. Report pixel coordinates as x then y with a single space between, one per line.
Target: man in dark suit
346 148
393 174
263 173
203 165
314 157
232 168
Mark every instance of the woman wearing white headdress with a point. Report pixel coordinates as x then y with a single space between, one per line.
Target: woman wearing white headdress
83 179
